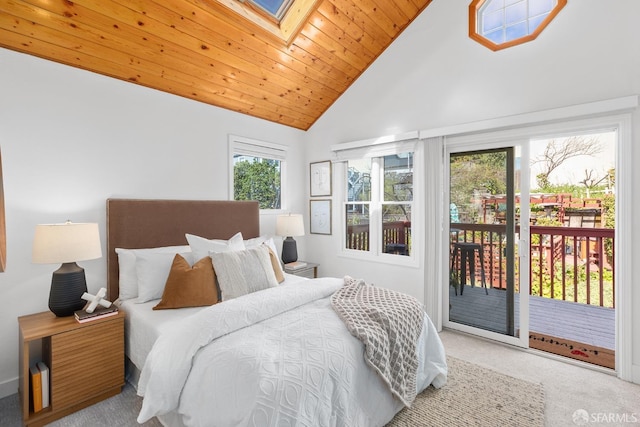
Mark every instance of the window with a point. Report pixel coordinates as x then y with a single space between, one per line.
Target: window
358 206
397 191
282 18
498 24
274 8
383 185
378 198
257 171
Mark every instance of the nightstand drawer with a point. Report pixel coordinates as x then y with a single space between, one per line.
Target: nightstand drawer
86 361
306 272
309 271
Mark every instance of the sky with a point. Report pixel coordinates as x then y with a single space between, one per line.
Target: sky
572 171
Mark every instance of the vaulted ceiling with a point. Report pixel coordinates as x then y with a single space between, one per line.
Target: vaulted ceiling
209 51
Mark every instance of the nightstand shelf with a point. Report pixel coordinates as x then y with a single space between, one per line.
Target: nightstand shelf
310 270
85 360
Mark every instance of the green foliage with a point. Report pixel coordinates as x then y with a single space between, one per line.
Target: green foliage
397 187
545 221
257 180
477 172
573 189
543 180
580 285
609 212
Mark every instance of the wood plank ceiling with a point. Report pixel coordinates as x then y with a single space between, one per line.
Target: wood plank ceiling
201 49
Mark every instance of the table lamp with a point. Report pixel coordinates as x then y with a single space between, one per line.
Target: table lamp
288 226
66 243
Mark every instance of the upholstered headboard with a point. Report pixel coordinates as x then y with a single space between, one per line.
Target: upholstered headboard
139 223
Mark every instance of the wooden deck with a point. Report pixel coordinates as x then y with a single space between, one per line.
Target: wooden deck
587 324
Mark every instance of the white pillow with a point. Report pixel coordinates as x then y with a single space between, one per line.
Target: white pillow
243 272
257 241
153 270
128 278
201 246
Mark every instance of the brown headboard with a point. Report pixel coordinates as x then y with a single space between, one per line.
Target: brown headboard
138 223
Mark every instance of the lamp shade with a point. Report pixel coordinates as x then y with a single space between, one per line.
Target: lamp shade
68 242
289 225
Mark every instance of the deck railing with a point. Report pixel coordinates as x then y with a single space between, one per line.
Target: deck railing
566 263
396 237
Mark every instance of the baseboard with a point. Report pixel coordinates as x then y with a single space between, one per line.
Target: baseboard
635 374
9 387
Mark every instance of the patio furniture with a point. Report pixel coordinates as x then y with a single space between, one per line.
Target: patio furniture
466 251
396 248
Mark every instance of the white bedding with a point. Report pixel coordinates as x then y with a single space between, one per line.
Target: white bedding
275 357
143 325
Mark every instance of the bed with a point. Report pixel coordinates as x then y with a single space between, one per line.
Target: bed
278 356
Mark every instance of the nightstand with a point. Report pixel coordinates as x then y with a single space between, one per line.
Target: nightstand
310 270
85 360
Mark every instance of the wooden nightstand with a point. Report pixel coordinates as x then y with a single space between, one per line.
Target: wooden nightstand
310 270
85 360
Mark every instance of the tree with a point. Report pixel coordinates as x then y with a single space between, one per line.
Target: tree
559 151
591 182
257 180
475 174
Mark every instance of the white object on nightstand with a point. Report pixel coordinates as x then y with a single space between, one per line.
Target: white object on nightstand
96 299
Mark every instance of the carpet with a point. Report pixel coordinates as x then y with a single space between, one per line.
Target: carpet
475 396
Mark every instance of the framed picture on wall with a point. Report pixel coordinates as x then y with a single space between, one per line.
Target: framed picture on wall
320 178
320 216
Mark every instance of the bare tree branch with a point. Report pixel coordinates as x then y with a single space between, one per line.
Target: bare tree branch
558 152
588 178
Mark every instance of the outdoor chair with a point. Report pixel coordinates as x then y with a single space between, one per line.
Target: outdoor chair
466 253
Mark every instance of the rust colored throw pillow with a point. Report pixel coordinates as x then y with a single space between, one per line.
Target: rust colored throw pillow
189 286
275 263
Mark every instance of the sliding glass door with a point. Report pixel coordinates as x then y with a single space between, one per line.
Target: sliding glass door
483 240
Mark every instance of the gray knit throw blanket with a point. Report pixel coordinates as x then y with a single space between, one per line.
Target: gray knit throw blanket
389 324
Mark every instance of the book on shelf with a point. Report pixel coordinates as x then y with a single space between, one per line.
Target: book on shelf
44 382
36 388
99 313
296 265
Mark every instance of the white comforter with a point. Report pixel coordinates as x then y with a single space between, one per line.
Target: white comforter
275 357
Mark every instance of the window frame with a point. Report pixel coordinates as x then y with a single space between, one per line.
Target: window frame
274 16
474 26
257 148
376 150
286 29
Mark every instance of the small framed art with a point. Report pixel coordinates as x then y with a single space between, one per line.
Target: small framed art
320 216
320 178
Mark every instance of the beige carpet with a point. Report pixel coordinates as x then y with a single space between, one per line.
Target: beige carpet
475 396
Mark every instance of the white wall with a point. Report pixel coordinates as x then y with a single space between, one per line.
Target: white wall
434 76
70 139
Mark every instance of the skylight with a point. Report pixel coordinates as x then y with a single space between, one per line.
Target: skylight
502 23
275 8
278 17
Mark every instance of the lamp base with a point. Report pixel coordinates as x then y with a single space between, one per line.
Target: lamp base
289 250
67 286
